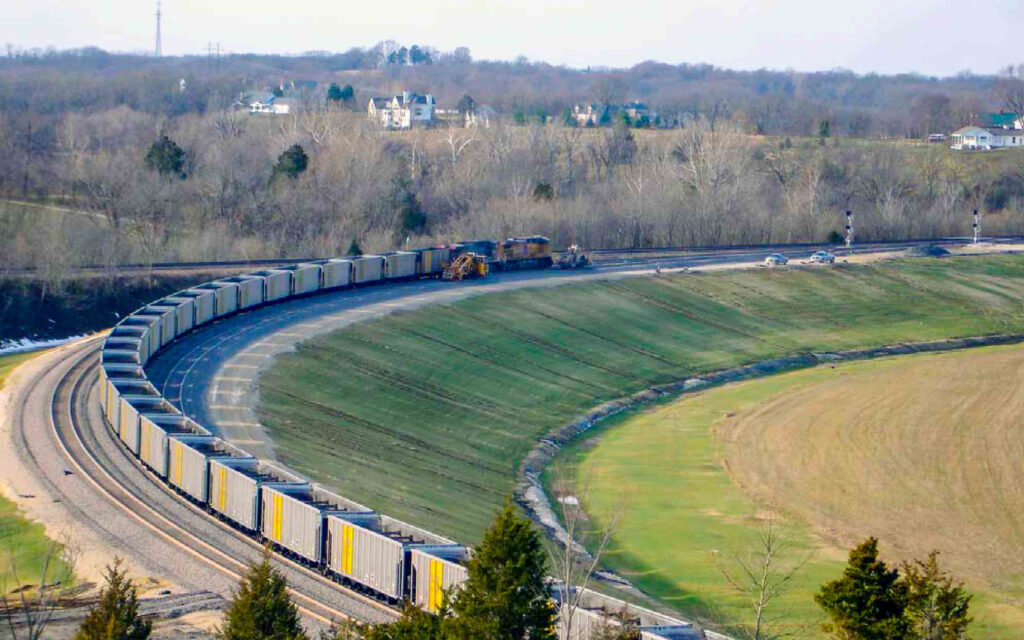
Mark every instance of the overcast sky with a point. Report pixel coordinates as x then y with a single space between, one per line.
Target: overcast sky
935 37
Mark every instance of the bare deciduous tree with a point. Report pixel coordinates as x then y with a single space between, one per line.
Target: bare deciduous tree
762 575
576 557
1011 89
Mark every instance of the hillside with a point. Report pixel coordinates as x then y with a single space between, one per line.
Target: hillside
426 415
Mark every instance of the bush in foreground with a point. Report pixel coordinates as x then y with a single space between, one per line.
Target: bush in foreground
261 608
116 615
873 602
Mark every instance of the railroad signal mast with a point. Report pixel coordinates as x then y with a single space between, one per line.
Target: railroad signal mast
977 227
849 230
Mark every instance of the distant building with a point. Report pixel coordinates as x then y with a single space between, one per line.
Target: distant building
1001 120
983 139
402 111
588 115
264 102
479 116
638 111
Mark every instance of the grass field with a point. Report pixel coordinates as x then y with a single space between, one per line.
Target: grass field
923 452
426 415
23 544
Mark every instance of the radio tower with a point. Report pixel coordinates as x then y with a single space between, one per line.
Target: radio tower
159 46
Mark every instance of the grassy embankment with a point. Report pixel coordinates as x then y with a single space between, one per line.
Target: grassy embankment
922 452
23 544
426 415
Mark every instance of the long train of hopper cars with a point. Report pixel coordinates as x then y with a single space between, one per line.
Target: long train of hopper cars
353 545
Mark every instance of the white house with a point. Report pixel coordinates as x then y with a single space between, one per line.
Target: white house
978 139
264 102
587 115
402 111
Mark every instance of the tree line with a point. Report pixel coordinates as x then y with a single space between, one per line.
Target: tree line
130 186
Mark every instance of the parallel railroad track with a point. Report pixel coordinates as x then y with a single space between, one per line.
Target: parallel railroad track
90 447
599 255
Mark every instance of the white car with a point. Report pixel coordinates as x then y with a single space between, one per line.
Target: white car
823 257
775 259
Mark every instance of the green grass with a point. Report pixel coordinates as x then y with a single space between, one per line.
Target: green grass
426 415
23 544
681 520
670 478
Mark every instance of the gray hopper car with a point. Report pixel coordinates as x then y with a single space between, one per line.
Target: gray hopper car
205 304
225 297
372 551
184 312
139 332
367 269
154 432
593 612
335 273
153 329
132 408
305 277
292 517
399 265
235 487
168 321
155 323
187 463
435 570
431 262
250 290
116 388
277 284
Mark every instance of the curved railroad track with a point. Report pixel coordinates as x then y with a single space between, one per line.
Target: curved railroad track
97 457
147 517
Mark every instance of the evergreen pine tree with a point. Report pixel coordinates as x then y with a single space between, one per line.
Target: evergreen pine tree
261 608
166 157
334 93
354 249
505 596
868 602
116 615
292 162
937 608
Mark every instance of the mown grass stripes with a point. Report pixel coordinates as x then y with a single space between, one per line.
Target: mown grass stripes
426 415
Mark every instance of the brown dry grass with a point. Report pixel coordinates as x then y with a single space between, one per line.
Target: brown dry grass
924 452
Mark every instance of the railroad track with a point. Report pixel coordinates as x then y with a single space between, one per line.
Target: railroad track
89 446
599 255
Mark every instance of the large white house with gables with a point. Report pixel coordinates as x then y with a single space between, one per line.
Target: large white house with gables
402 111
978 139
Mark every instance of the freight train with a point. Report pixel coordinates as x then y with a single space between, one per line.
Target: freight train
349 543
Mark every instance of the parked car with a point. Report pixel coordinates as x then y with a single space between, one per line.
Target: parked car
775 259
823 257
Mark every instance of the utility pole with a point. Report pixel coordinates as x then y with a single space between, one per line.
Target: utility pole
977 227
159 44
849 230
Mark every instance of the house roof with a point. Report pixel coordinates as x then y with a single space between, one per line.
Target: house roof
998 119
381 103
1005 133
253 97
969 130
